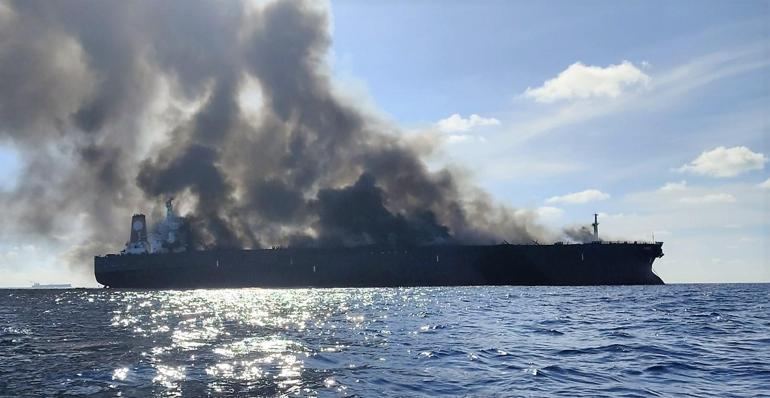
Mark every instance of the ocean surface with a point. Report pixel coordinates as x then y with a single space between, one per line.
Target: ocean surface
675 340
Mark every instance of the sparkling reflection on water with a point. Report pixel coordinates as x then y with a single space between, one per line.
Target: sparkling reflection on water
250 339
511 341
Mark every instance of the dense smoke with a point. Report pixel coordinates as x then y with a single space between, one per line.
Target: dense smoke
228 106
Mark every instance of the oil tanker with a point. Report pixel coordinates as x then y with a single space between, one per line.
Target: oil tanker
160 260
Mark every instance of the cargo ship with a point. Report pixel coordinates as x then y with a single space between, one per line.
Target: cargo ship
161 260
36 285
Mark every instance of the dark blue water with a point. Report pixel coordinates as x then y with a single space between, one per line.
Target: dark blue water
684 340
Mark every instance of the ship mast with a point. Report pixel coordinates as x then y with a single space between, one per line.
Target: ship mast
170 208
596 227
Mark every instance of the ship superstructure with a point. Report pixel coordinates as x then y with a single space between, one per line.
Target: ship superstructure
168 236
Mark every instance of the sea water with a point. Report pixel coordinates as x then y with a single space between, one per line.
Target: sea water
675 340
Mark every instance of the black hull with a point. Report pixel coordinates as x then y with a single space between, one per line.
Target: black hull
579 264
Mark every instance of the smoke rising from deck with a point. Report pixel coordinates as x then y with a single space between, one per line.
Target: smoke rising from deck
115 106
578 234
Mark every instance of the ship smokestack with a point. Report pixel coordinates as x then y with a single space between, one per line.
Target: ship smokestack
138 242
138 228
596 226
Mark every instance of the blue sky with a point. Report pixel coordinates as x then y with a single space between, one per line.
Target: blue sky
701 72
652 113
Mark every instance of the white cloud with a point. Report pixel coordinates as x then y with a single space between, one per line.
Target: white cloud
665 89
726 162
457 123
589 195
710 198
458 138
674 186
764 185
464 138
585 81
549 212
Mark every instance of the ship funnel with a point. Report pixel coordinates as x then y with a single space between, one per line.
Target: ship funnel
596 227
138 228
138 243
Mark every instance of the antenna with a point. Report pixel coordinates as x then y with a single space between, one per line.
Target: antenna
596 226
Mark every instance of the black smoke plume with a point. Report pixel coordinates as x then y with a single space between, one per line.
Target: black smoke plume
115 106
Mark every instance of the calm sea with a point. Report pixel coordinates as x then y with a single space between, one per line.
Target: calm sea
676 340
